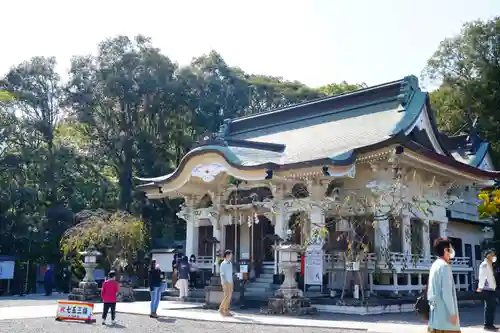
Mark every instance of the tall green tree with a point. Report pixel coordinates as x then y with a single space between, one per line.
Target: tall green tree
468 68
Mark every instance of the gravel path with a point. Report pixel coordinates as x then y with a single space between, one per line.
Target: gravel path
143 324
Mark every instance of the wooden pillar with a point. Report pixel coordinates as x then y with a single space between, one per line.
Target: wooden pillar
395 283
406 235
426 239
190 235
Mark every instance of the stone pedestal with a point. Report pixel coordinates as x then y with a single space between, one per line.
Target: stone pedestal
126 293
214 293
87 289
289 299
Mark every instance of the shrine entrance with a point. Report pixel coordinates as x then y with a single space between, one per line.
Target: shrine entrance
263 241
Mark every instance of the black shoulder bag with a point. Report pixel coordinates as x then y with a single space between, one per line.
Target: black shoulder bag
422 305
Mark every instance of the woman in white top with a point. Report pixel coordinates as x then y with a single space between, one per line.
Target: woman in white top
193 271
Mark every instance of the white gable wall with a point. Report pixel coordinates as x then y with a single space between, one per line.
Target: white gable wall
424 123
469 233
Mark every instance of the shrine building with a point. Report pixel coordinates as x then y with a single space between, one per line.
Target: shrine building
245 187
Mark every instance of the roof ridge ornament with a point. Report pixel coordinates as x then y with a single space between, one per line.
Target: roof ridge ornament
408 86
223 130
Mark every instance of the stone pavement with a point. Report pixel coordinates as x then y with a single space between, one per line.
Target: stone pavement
386 323
134 323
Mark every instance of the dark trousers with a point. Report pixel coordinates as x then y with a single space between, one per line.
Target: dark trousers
192 279
490 304
48 288
107 307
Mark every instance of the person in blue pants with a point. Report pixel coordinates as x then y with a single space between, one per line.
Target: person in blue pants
155 281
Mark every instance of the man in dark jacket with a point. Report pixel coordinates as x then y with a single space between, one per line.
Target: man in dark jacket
47 281
155 282
184 270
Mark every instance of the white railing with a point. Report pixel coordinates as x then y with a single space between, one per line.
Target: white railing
409 262
336 261
399 261
204 262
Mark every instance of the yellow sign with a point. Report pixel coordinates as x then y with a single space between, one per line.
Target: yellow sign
75 311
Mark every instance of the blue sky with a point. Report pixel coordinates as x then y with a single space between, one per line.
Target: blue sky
313 41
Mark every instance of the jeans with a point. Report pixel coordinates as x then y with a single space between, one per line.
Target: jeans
490 304
155 298
106 308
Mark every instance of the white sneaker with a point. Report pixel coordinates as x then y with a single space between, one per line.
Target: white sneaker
113 322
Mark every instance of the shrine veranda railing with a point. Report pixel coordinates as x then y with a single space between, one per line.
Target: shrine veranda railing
399 261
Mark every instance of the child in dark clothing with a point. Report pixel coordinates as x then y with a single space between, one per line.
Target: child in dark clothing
109 292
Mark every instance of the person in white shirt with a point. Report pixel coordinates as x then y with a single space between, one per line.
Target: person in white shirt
487 287
226 279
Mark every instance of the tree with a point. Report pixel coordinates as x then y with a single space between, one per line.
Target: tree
468 68
37 90
268 92
119 235
333 89
119 96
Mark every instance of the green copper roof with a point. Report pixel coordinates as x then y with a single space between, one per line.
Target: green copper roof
328 130
338 133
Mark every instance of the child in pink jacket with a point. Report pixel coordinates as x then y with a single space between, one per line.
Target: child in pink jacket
109 291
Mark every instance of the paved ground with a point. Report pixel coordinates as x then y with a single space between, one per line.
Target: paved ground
143 324
20 313
29 300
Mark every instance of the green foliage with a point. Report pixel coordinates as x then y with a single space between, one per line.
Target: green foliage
340 88
118 235
468 68
5 96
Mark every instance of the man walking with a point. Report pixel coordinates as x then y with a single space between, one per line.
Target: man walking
441 293
487 286
47 281
226 279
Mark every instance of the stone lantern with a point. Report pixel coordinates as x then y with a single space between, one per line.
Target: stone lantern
288 298
87 289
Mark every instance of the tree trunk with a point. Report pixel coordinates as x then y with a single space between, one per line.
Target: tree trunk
125 179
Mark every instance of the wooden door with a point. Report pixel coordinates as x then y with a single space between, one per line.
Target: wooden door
205 248
468 253
268 230
457 245
257 248
230 241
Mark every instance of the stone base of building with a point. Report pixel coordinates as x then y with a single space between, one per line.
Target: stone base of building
365 309
297 306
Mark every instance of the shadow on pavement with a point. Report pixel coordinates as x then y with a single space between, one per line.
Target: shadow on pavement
243 319
166 320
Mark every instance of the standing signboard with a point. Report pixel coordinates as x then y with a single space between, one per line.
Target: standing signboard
6 270
313 274
75 311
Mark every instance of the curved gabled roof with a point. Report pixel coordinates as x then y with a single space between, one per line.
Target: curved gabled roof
324 132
